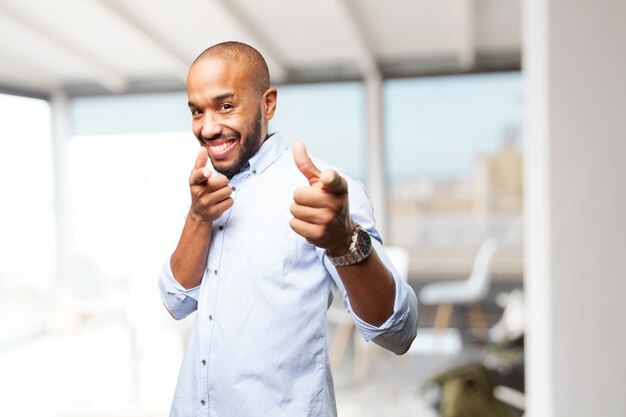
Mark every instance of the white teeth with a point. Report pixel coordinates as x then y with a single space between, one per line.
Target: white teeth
220 148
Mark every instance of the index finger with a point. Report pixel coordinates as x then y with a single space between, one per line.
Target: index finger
333 182
202 158
199 175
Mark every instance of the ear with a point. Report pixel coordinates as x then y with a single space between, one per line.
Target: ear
269 103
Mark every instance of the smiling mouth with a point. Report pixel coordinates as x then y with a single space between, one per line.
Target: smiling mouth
221 149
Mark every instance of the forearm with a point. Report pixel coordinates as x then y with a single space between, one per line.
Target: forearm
188 261
399 329
370 288
399 336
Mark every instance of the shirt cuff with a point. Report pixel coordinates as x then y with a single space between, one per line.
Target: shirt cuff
172 292
401 309
401 305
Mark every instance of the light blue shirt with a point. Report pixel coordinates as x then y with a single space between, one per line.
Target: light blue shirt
258 345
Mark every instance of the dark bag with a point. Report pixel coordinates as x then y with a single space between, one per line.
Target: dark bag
468 392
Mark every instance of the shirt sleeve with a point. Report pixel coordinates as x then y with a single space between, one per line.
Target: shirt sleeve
179 301
397 333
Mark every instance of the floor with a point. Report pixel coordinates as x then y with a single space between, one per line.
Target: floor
86 369
90 374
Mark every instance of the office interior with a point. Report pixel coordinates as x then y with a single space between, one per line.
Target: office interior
490 138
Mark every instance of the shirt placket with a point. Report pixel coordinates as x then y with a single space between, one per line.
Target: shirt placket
212 276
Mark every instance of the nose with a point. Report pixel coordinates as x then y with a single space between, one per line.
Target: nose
210 126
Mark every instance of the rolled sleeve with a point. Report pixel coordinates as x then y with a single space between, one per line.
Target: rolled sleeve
398 331
179 301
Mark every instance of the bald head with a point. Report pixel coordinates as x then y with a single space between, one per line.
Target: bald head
244 55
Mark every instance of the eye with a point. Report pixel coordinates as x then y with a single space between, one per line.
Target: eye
195 112
225 107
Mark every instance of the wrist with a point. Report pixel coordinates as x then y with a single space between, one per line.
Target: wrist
344 243
199 220
359 249
342 248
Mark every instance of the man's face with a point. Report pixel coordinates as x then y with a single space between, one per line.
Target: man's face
229 116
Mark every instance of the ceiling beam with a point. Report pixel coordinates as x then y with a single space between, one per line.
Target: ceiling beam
97 71
23 76
178 63
250 28
17 91
366 61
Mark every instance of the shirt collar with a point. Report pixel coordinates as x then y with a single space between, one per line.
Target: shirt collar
269 152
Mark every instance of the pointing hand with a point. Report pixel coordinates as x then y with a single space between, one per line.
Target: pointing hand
210 194
321 211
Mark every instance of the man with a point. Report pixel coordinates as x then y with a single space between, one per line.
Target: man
257 255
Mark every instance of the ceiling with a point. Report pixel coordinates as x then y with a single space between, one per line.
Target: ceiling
117 46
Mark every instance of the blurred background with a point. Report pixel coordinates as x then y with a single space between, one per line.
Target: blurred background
490 136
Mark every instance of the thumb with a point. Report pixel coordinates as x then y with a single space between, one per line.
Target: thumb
304 163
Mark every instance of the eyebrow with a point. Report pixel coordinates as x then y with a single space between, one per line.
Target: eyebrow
223 96
216 98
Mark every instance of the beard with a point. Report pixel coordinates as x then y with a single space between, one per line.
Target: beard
249 147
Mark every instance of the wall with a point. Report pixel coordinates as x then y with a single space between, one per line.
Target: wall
575 69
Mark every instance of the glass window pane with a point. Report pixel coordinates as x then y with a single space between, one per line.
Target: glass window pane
129 197
329 118
455 169
26 220
132 113
436 126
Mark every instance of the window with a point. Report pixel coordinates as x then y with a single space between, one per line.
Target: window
129 197
329 118
26 220
454 163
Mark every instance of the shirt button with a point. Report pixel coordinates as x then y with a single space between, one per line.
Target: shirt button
254 172
204 362
221 228
234 188
215 272
203 402
210 318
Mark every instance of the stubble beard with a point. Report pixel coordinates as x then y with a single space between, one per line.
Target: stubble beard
249 148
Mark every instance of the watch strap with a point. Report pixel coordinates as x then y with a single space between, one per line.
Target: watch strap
353 256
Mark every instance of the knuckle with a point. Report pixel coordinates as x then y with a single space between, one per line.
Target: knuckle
338 206
195 194
297 194
329 216
214 212
318 233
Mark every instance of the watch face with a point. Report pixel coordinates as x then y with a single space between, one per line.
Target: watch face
364 243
